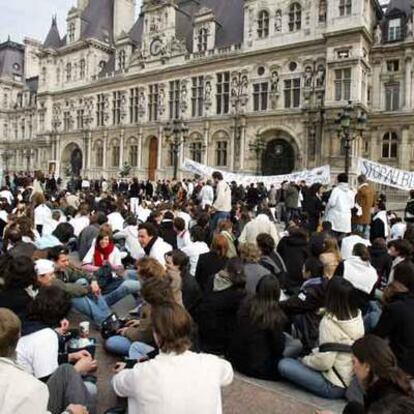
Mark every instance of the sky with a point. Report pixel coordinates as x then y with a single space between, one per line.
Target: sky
32 18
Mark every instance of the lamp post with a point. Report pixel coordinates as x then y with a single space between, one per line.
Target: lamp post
350 123
28 153
258 147
176 132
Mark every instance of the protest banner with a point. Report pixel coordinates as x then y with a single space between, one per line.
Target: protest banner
317 175
386 175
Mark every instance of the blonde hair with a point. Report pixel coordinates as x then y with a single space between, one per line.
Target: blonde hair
249 252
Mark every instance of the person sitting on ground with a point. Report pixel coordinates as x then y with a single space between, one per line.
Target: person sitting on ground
193 379
395 323
38 352
398 228
380 260
167 232
59 237
183 235
218 310
23 393
115 218
400 251
225 228
348 243
50 226
380 225
209 264
153 245
90 233
258 342
14 245
253 270
81 220
130 235
197 247
328 374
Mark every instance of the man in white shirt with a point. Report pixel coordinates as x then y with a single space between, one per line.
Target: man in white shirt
222 204
260 224
153 245
206 195
81 221
130 234
183 235
6 193
195 248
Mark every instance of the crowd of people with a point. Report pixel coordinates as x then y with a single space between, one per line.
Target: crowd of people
306 284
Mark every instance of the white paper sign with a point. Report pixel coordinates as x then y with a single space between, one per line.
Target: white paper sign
317 175
386 175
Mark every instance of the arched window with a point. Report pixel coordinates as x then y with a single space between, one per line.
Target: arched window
221 153
295 17
263 24
71 32
116 153
133 152
99 154
121 60
69 72
389 145
202 39
82 69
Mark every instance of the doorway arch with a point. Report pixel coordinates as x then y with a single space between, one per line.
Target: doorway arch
72 159
278 158
152 158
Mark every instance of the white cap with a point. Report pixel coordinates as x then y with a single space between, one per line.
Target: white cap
44 266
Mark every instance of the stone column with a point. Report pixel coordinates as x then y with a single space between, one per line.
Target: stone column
407 83
160 141
121 150
206 134
89 150
105 138
376 85
243 143
139 156
404 147
232 144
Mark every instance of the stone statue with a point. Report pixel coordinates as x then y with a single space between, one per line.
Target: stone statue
320 77
308 77
409 28
207 94
278 20
274 82
378 35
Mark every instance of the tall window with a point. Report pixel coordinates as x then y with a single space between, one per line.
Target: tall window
82 69
66 121
79 118
133 155
389 145
69 72
260 96
196 151
71 32
202 39
121 60
221 153
134 106
392 96
343 84
197 97
153 97
116 153
99 156
292 93
116 108
174 99
295 17
263 24
345 7
223 93
394 30
100 110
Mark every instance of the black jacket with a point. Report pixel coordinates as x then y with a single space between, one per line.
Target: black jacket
396 324
192 295
382 262
217 317
208 265
253 351
168 234
294 252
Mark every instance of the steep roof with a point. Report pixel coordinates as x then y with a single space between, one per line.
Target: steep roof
11 59
399 5
53 39
98 20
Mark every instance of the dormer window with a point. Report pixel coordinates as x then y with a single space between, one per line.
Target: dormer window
69 72
121 60
345 7
82 69
202 39
263 24
295 17
394 30
71 32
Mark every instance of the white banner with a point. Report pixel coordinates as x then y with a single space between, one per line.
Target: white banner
386 175
317 175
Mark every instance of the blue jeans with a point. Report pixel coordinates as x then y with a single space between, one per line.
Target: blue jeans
306 377
118 345
128 287
372 317
96 309
139 350
217 217
364 229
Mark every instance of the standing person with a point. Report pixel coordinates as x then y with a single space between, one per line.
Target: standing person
222 203
134 193
206 195
365 199
272 196
328 374
291 201
340 204
409 210
281 202
314 206
41 211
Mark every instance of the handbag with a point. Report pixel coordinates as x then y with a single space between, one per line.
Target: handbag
111 325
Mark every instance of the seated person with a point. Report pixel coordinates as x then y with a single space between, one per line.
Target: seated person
21 392
14 244
59 237
130 235
194 380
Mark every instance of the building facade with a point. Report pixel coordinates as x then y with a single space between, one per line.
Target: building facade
259 83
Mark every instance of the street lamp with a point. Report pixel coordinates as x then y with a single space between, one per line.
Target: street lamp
176 132
28 153
350 124
258 147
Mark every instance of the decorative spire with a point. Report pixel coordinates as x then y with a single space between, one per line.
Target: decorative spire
53 40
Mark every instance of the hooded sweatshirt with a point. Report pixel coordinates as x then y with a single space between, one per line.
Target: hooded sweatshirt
338 209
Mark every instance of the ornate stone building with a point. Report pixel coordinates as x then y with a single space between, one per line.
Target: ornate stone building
259 84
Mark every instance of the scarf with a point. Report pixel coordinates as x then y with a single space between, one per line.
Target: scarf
148 247
102 254
222 281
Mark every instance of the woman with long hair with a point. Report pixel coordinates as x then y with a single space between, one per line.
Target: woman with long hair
327 373
258 341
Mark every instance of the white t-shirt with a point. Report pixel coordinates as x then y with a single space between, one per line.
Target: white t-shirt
193 251
79 223
42 214
116 221
186 384
37 353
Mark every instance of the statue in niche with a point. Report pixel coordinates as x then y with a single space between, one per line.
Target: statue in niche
409 28
320 77
275 82
378 35
207 94
308 77
278 21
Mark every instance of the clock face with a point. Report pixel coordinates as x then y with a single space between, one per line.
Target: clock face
155 47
